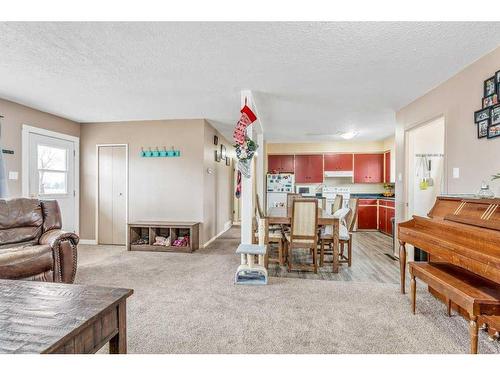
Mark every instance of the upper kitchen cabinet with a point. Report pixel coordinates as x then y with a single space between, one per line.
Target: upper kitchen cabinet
338 162
280 164
368 168
308 169
387 167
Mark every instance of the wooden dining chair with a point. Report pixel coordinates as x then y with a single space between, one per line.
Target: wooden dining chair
290 197
337 203
273 235
326 236
347 239
303 233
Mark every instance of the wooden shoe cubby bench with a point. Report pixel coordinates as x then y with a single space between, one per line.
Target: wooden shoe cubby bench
172 229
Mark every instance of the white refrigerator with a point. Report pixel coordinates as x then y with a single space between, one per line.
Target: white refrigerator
278 186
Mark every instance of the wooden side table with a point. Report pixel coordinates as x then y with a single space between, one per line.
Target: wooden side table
58 318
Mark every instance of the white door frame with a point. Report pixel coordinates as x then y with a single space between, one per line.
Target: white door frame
97 146
25 148
408 159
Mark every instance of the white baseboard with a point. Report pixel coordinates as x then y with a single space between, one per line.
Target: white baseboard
227 226
88 242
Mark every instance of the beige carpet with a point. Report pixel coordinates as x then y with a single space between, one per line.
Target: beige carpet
187 303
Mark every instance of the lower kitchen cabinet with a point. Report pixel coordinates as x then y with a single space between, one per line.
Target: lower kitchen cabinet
386 212
367 214
376 214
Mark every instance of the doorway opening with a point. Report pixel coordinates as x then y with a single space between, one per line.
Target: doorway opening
50 170
112 194
425 156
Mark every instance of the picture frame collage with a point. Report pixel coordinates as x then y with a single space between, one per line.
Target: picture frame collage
487 119
221 154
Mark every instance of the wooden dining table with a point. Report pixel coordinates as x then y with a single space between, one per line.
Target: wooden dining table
283 215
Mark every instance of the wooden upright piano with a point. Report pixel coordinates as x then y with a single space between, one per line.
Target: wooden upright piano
464 233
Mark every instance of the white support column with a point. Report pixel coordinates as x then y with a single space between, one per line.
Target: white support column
247 197
260 171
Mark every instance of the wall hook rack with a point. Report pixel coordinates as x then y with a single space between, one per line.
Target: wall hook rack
156 152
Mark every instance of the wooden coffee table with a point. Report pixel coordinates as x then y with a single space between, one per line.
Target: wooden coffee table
37 317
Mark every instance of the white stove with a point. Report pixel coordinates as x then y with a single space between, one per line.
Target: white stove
330 192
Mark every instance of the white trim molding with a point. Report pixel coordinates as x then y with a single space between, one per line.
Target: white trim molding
227 226
25 152
87 242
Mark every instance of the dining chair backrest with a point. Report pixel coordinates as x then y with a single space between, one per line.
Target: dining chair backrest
258 207
337 203
353 214
290 197
322 203
304 220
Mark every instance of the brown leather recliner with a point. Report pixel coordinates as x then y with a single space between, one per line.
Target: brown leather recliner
32 244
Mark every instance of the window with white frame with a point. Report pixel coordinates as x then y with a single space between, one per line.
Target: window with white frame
52 170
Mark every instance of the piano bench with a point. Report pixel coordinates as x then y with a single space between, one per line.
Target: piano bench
475 295
490 324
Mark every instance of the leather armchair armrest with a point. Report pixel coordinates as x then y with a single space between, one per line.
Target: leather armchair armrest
63 246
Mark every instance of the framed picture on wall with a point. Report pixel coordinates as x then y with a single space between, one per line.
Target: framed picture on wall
482 128
228 162
216 156
216 140
481 115
493 131
497 76
490 100
222 151
490 86
495 115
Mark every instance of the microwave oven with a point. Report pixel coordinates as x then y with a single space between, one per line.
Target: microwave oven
305 191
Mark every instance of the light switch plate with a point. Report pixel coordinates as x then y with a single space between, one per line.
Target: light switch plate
456 172
13 175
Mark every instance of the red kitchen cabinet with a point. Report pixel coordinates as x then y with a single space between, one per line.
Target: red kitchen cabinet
367 214
386 212
308 169
368 168
280 164
338 162
387 167
382 219
390 214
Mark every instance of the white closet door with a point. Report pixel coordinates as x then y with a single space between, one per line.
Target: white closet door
119 184
112 184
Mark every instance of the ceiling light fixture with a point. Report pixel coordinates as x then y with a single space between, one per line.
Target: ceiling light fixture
348 135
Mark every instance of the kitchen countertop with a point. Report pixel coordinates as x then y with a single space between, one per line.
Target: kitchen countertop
372 196
364 196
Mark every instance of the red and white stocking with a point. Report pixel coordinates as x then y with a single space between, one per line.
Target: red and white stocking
246 118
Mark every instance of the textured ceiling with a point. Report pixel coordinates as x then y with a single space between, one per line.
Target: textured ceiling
310 80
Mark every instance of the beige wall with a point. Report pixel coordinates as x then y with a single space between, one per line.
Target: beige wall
313 147
161 188
456 100
15 115
217 193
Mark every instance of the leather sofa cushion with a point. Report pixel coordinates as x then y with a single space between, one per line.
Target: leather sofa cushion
51 215
21 236
20 212
20 220
25 261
